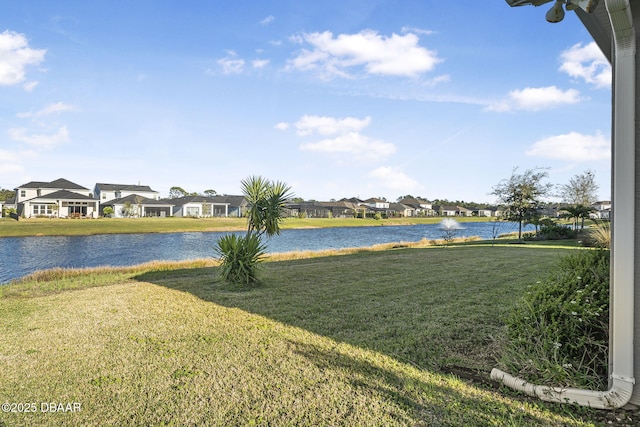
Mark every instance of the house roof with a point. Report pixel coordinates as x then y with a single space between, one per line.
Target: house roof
352 200
452 208
136 199
64 195
340 204
120 187
375 200
61 183
398 207
180 201
414 202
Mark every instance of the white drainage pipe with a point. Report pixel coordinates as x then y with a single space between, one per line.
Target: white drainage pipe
622 274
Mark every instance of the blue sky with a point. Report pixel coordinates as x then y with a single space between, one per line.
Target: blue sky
341 98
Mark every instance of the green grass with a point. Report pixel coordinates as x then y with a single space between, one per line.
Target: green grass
74 227
367 338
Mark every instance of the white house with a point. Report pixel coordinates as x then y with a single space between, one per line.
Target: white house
200 206
421 206
107 192
59 198
376 203
137 206
603 210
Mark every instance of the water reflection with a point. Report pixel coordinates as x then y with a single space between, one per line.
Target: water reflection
23 255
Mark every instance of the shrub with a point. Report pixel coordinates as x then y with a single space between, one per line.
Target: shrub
553 231
240 258
558 334
598 236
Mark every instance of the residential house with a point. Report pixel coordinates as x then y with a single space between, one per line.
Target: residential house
59 198
602 210
341 208
310 209
378 204
452 211
421 207
483 212
237 205
108 192
9 208
400 209
200 206
135 205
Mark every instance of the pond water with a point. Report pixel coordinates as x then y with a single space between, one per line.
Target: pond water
20 256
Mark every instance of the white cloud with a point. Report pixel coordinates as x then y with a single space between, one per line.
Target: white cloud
407 29
358 147
15 56
444 78
344 139
282 126
573 146
394 179
268 20
231 64
29 86
49 109
259 63
334 56
535 99
40 140
321 125
587 63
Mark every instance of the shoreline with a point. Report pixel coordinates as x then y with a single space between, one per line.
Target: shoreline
38 227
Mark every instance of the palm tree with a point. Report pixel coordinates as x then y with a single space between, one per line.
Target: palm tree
578 213
266 201
240 256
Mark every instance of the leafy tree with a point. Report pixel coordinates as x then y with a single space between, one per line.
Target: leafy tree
521 195
177 192
210 193
6 194
579 213
581 189
240 256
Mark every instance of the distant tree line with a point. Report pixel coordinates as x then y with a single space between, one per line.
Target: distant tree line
6 194
177 192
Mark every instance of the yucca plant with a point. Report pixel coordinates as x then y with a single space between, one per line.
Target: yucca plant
240 256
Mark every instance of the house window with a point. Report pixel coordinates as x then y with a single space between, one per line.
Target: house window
42 209
77 209
23 193
193 211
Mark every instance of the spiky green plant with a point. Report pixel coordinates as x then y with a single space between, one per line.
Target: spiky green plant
240 256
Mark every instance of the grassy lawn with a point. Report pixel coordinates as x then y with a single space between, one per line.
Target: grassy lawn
71 227
364 339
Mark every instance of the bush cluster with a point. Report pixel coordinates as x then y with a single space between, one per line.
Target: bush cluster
240 257
558 334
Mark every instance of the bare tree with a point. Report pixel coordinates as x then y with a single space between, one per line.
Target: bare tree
582 189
